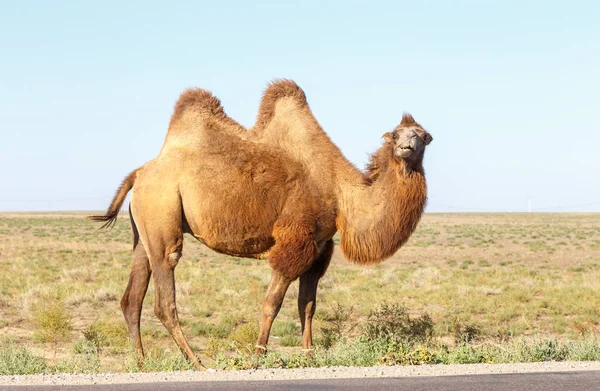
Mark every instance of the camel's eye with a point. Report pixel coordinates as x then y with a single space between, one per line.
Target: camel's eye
394 136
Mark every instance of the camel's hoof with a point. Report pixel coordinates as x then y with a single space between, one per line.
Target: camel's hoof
310 352
198 366
260 350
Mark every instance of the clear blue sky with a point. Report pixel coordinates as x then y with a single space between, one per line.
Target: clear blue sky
510 90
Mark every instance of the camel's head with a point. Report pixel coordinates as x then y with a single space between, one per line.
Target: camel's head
408 140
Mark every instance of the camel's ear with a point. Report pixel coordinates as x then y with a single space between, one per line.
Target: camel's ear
427 138
388 137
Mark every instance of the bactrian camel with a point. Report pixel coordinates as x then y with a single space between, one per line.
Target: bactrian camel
278 191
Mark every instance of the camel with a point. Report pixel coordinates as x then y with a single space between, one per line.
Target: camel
278 191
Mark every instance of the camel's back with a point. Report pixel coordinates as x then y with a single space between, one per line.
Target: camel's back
232 190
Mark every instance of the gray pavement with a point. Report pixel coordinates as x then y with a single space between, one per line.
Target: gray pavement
550 381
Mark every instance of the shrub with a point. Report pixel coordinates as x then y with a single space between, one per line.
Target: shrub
213 347
107 334
587 349
339 324
244 337
20 361
536 350
408 356
465 333
392 321
467 354
52 321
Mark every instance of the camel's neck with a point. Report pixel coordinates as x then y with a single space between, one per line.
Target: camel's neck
378 215
377 212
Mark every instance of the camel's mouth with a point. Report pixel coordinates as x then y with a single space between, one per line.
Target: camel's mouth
404 151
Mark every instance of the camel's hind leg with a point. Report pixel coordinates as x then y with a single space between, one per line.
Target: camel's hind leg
166 310
307 295
163 239
133 298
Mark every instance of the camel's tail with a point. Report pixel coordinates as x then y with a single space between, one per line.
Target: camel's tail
110 218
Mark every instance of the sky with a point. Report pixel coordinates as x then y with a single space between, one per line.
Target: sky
510 90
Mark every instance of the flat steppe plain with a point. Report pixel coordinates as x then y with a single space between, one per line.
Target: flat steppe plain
488 277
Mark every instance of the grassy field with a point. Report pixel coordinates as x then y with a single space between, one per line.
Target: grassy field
466 288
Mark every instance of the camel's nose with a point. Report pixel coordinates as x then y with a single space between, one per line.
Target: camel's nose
408 139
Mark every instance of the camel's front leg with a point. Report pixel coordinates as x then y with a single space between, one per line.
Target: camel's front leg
307 293
271 306
292 255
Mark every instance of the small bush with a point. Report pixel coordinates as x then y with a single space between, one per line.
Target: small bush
465 333
328 338
52 321
408 356
20 361
467 354
339 324
587 349
535 350
238 362
244 337
83 346
392 321
107 334
213 347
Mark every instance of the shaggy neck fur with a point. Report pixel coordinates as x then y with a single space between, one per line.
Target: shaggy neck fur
378 216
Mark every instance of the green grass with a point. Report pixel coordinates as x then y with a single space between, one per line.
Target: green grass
487 282
51 320
368 352
16 360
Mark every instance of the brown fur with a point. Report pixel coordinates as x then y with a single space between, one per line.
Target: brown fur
383 239
279 191
197 100
408 120
378 163
277 89
200 102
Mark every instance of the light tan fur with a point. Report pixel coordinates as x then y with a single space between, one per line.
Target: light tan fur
280 191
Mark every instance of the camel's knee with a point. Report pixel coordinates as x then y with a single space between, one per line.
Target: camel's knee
271 309
166 314
130 310
173 253
173 258
160 312
125 304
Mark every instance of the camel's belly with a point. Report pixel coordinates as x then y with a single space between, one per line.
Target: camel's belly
252 247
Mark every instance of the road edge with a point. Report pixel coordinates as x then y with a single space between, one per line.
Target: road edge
300 374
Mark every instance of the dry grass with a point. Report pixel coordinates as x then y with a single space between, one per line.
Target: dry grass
498 276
